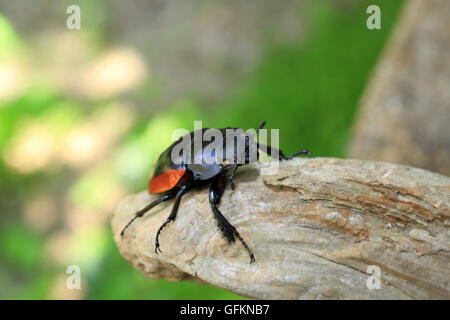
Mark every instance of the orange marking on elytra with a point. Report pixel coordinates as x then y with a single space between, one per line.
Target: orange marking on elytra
165 181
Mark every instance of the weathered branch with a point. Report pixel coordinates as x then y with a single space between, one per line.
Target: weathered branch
314 227
405 110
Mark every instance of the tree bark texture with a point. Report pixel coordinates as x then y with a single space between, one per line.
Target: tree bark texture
315 227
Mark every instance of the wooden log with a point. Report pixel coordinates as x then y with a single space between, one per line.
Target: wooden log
405 110
315 227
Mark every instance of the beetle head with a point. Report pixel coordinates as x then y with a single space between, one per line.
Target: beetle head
240 148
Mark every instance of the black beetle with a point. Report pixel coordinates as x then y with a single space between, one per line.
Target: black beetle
173 176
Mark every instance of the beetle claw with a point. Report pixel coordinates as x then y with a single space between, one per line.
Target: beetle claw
157 247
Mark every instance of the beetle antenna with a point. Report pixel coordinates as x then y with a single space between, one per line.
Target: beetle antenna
261 126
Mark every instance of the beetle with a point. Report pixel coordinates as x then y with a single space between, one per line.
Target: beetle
174 175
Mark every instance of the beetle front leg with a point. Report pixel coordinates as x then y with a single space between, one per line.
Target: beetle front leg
280 155
230 178
172 215
215 193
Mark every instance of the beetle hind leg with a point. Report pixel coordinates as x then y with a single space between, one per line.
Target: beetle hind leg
229 231
143 211
171 217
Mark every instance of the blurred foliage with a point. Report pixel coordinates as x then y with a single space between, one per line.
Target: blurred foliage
66 161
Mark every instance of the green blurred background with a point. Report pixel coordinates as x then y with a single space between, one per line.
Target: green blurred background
84 114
